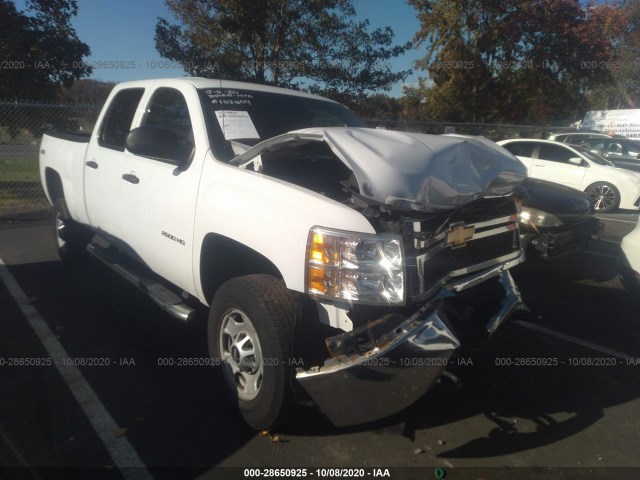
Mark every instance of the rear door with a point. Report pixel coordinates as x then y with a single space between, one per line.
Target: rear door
552 164
103 163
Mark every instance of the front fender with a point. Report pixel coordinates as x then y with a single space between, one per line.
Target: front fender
269 216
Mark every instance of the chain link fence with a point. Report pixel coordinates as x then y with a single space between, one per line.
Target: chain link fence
21 127
23 123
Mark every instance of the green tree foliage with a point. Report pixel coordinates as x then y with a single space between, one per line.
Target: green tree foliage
87 92
40 49
625 92
379 107
315 44
514 60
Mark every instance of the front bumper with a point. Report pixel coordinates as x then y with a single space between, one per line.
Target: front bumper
558 241
385 366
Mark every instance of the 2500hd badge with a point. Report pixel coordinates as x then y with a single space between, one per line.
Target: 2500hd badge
173 237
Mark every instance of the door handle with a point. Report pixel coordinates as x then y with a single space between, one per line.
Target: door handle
91 164
128 177
538 165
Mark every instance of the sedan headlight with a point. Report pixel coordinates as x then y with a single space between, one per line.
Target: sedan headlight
356 267
538 218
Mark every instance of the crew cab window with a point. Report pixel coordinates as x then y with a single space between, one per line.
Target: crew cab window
167 110
117 121
520 149
555 153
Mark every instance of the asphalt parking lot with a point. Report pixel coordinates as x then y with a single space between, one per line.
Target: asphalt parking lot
127 415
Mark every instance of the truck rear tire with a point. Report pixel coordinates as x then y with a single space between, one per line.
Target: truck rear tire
250 330
71 238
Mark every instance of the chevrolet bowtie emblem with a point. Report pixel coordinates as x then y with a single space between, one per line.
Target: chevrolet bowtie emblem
458 235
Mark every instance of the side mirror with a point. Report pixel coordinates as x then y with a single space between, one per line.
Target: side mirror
576 161
160 144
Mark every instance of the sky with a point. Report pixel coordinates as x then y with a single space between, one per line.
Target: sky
122 31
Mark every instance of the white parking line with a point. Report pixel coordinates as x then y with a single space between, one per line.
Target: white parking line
121 451
577 341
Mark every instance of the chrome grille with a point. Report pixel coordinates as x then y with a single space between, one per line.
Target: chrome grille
445 255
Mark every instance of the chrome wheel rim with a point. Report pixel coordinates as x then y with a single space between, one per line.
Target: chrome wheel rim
602 197
61 228
241 353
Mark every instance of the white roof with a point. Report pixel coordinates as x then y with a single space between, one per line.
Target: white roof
202 83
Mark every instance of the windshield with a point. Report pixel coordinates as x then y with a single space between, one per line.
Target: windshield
250 116
594 157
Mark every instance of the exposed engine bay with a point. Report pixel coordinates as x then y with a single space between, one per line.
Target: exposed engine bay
448 201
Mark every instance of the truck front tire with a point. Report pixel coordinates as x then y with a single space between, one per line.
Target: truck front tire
250 330
71 238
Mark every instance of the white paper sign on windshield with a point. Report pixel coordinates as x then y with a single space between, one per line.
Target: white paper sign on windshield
236 124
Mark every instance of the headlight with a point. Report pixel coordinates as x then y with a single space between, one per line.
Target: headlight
539 218
356 267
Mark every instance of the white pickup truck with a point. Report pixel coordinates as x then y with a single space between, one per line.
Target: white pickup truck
341 265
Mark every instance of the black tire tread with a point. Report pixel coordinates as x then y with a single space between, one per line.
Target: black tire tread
278 306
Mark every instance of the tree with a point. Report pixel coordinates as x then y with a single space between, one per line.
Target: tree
87 92
515 60
625 92
40 49
379 107
290 43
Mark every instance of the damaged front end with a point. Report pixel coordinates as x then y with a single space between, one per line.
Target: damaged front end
432 277
446 284
387 364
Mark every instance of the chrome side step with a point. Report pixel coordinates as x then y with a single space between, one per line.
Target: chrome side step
161 295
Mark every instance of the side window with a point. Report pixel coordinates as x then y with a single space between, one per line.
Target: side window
555 153
520 149
615 149
595 146
168 109
168 116
117 121
634 150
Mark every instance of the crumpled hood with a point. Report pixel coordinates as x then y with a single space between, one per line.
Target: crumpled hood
421 171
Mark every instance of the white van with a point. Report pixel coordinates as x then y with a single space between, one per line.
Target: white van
613 122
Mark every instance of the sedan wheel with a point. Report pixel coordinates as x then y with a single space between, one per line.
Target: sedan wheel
603 196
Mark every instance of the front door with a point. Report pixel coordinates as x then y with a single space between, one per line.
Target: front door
159 194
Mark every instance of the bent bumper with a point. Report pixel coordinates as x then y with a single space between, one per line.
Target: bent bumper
387 365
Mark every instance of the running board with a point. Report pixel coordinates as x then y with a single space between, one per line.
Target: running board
159 294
